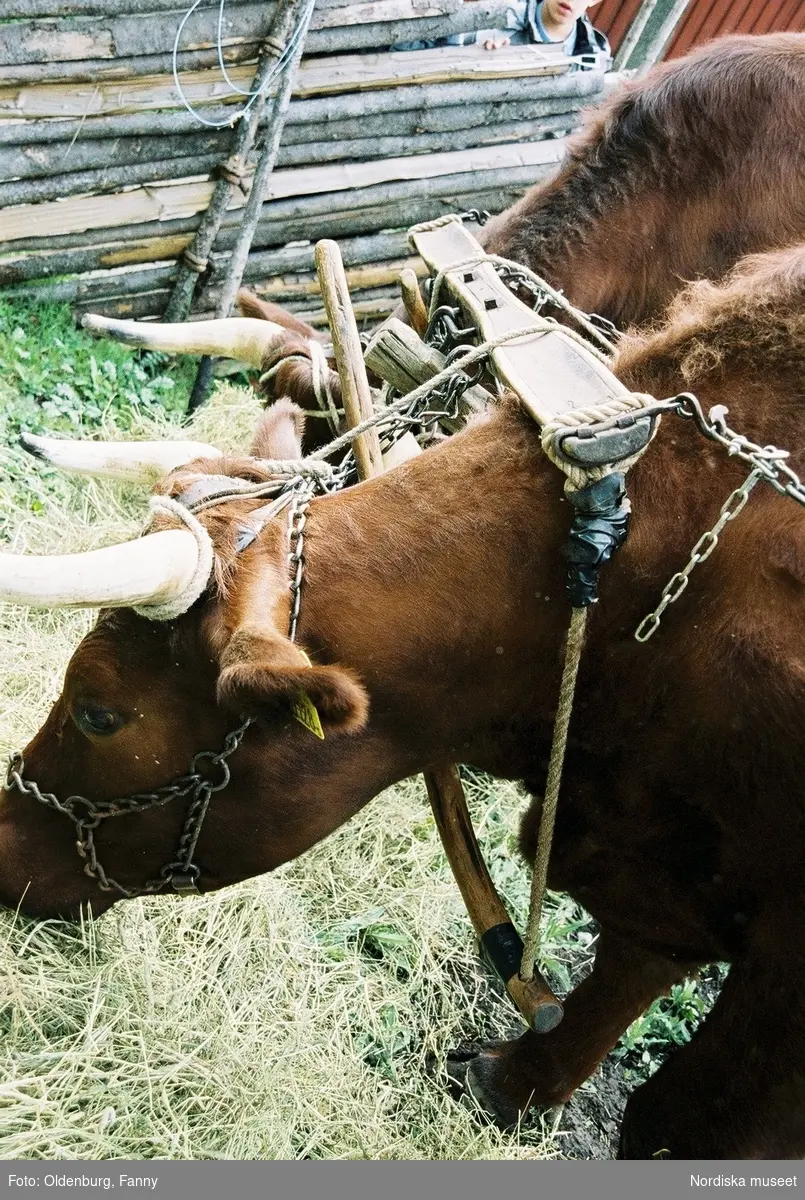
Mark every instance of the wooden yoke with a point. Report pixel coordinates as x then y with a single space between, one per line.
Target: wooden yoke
552 370
543 369
499 939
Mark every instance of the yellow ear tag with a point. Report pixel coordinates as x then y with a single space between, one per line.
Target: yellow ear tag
304 710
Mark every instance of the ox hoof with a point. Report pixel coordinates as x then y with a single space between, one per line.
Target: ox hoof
471 1071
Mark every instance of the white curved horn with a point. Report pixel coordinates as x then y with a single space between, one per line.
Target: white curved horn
137 462
244 338
151 570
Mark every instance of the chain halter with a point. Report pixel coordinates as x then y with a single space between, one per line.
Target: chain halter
181 873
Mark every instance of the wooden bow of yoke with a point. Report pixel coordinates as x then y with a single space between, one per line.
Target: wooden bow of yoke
591 427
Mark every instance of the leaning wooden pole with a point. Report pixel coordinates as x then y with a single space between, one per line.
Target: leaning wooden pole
232 171
298 17
499 939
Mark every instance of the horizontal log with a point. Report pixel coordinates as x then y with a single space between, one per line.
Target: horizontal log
369 307
262 264
175 201
453 190
34 9
39 160
338 73
349 223
368 148
140 48
417 100
57 187
384 205
107 179
133 35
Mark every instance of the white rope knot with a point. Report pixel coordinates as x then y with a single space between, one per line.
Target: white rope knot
171 609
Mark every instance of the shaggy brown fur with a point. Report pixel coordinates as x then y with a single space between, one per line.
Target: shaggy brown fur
675 177
433 612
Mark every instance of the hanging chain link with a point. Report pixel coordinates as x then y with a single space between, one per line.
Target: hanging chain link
297 519
701 551
768 465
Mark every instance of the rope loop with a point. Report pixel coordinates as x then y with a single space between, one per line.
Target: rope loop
171 609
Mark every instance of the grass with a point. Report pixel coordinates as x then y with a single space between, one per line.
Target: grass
305 1014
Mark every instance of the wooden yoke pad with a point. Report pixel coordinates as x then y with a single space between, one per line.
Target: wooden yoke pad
551 372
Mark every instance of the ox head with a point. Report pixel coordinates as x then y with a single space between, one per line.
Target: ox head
287 352
142 696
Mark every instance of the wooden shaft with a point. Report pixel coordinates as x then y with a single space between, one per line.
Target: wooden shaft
499 939
348 353
412 299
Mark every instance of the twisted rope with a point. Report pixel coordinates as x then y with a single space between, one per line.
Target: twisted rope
573 648
579 477
171 609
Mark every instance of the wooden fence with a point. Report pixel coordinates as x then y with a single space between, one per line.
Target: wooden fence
104 174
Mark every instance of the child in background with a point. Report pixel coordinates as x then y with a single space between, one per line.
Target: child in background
537 21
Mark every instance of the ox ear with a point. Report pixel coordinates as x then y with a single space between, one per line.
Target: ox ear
263 672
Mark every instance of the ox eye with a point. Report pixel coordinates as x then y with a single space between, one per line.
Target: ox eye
94 719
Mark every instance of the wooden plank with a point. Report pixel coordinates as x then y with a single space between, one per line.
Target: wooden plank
571 88
379 10
166 202
339 73
132 35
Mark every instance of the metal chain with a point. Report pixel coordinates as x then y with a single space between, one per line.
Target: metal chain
181 872
297 519
701 551
768 464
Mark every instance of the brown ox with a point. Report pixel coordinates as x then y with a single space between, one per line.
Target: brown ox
673 178
433 612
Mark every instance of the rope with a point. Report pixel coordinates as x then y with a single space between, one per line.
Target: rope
170 609
286 52
322 384
423 391
573 649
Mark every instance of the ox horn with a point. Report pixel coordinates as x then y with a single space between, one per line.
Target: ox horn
245 338
154 569
137 462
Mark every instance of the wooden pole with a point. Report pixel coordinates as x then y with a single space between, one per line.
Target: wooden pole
659 42
499 939
633 34
298 16
355 391
196 256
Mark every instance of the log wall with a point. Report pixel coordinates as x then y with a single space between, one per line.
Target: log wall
104 174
